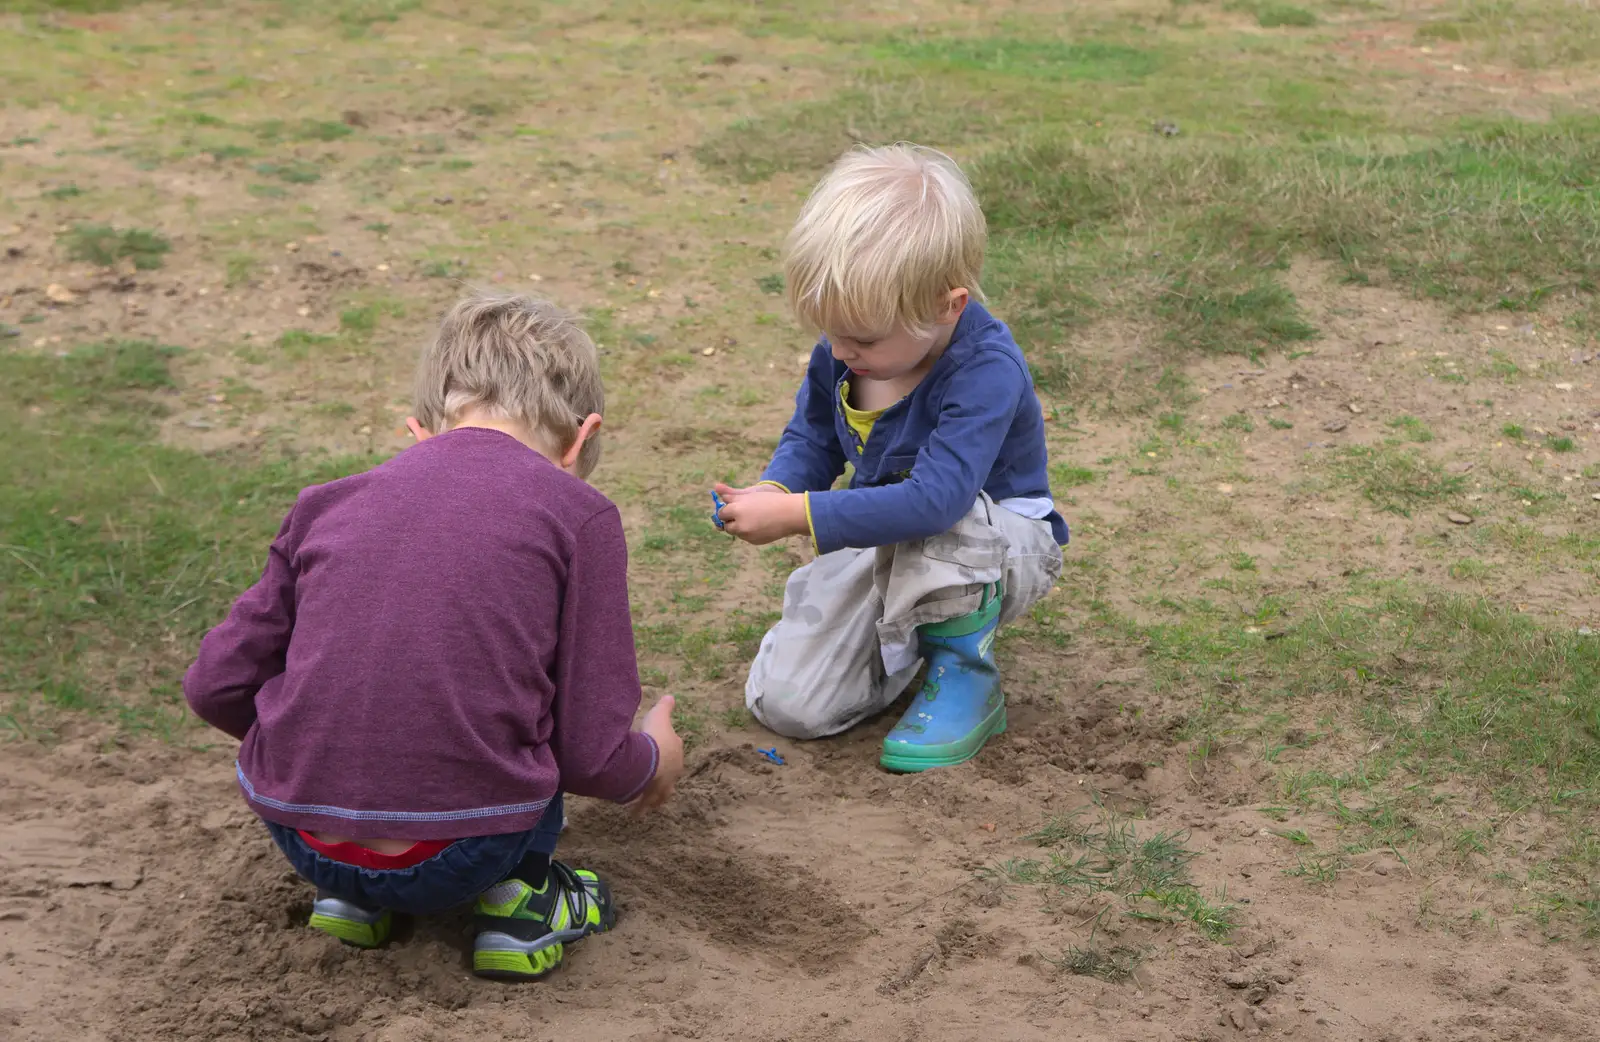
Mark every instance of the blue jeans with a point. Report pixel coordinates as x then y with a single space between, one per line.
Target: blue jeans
452 877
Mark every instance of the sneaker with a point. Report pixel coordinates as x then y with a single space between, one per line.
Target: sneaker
350 923
523 932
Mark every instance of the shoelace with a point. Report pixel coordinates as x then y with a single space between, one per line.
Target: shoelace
573 892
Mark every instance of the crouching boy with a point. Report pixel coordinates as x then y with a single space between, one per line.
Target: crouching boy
948 529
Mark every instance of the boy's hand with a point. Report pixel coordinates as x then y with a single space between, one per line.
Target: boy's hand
657 724
764 514
418 431
730 493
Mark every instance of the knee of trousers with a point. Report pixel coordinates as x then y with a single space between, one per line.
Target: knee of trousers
790 714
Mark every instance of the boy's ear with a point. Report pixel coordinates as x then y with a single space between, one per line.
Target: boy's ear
955 305
586 430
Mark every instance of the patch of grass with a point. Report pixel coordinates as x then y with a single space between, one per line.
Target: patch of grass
116 552
1395 480
294 171
1238 422
1534 34
1063 475
1149 874
1093 60
1442 701
1277 16
771 285
1199 235
1560 443
809 136
70 190
1512 430
1279 425
241 269
1412 428
1114 965
298 344
1321 869
105 245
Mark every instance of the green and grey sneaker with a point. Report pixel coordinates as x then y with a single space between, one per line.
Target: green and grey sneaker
350 923
523 932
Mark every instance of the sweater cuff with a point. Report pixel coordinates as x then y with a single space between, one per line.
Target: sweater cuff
655 762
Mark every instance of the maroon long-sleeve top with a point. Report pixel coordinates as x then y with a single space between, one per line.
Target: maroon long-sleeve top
434 648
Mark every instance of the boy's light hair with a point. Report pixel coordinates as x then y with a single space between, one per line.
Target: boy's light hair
518 359
885 236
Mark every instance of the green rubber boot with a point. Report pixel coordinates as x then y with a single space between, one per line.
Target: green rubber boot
960 704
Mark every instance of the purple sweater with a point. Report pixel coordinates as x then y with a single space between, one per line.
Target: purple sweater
435 647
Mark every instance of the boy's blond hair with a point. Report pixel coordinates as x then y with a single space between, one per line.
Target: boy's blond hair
518 359
884 237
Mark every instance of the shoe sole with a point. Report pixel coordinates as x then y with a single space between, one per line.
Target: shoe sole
904 758
349 931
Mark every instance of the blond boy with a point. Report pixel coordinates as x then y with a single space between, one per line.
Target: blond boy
440 647
947 529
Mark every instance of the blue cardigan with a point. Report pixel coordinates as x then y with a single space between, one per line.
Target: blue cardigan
972 424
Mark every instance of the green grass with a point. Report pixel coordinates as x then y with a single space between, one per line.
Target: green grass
294 172
1036 58
1064 475
1200 234
1277 16
1395 480
1148 875
1442 712
1412 429
116 552
104 245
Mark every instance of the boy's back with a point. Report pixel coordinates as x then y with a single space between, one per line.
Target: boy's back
427 602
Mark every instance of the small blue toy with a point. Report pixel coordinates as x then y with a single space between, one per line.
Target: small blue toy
716 508
772 754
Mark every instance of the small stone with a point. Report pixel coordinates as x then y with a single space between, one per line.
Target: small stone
987 826
59 294
708 352
536 278
1335 426
1563 387
383 267
1238 1018
1380 868
1457 518
199 425
1237 981
1353 407
292 247
1225 489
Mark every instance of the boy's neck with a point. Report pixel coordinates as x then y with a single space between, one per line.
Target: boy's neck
476 419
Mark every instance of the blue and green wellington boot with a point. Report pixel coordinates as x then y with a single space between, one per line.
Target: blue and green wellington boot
960 705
